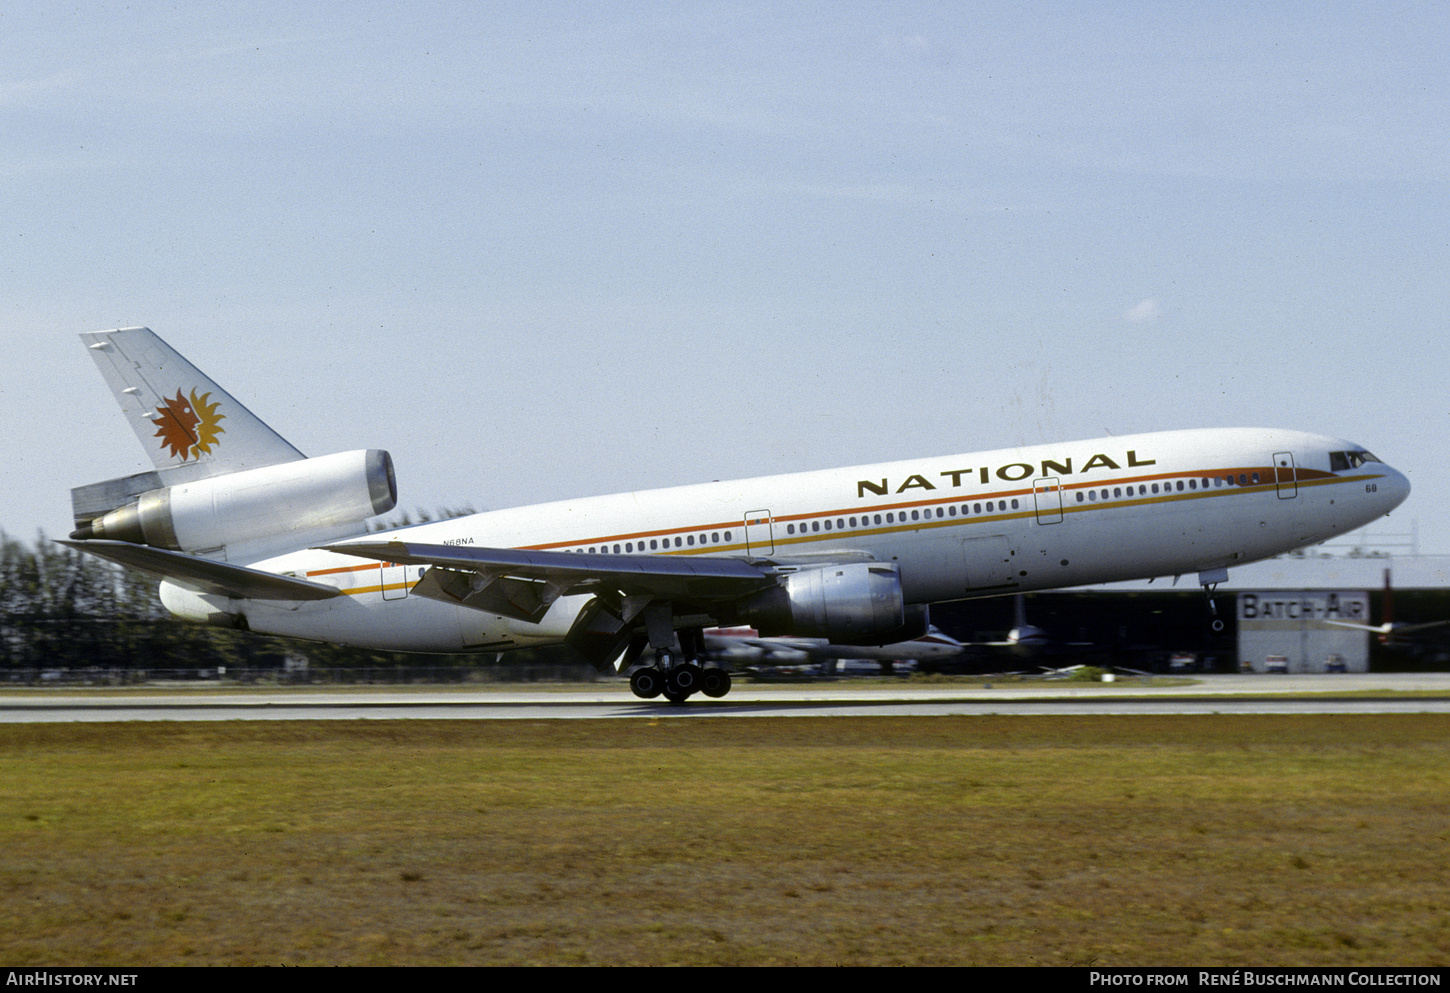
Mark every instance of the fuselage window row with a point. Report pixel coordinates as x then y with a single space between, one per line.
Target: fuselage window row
1178 486
656 544
990 507
869 520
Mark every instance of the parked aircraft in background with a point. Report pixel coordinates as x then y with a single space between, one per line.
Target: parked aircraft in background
246 532
744 647
1025 644
1390 631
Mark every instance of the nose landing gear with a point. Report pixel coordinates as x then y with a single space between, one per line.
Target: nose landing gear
1209 580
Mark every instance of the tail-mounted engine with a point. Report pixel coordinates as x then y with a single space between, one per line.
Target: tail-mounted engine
303 496
852 604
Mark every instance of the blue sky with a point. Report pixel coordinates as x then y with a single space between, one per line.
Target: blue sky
541 250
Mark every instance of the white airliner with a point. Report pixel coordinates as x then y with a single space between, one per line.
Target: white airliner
247 532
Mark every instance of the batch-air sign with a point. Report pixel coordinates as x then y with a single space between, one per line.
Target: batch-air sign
1303 607
1296 628
1012 472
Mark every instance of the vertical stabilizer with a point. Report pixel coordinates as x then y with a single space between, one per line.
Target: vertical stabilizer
190 426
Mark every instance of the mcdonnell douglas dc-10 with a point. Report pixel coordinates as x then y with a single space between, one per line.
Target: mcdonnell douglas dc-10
247 532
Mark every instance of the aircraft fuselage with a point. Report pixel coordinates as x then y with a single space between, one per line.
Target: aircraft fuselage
958 527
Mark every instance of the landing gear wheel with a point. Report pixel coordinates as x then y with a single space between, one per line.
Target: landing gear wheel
647 683
715 682
683 680
676 698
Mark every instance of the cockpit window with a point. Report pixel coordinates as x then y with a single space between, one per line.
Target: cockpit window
1349 460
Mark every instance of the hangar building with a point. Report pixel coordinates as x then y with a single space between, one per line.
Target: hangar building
1282 614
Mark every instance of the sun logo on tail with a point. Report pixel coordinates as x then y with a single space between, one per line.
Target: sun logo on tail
189 427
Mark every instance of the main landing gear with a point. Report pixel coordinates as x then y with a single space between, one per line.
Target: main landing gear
677 681
677 674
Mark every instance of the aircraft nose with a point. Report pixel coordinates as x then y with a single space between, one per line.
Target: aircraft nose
1392 488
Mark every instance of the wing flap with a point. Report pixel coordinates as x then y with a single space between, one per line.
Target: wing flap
205 575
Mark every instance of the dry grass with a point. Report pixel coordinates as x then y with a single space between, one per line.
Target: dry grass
1211 840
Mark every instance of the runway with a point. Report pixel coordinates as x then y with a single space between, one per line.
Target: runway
1237 694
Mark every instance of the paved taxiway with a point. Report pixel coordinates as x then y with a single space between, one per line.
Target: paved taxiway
1238 694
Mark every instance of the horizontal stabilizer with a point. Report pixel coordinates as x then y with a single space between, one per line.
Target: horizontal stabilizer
206 575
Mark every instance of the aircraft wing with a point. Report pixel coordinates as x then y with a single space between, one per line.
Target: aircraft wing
522 584
1393 631
205 575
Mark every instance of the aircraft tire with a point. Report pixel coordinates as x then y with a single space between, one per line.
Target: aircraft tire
715 682
683 680
647 683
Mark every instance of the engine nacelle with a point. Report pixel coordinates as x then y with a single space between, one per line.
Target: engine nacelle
856 604
306 495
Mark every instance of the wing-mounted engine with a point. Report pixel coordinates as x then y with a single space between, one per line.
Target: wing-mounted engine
847 604
325 496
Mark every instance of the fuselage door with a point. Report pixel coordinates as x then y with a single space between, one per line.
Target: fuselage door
1285 474
1047 492
759 540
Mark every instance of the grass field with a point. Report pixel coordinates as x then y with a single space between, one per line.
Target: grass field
1145 840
